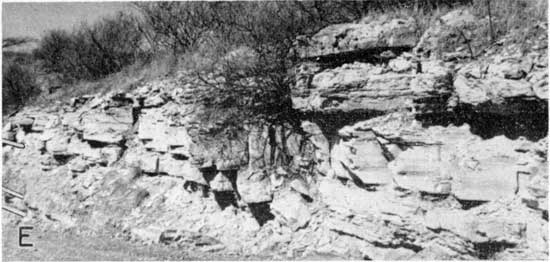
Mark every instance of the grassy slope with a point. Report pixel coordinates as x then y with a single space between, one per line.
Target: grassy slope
515 16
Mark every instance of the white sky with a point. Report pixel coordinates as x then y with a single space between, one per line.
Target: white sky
34 19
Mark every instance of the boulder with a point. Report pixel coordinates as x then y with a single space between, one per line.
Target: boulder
110 154
360 158
47 162
177 136
228 164
254 186
496 90
23 121
150 234
221 182
160 135
443 160
78 165
291 209
419 169
494 176
401 65
147 161
361 86
363 36
150 121
109 126
539 80
45 121
71 120
154 101
349 200
189 172
497 80
300 186
444 35
58 144
83 148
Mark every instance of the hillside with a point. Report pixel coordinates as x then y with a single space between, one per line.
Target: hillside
396 142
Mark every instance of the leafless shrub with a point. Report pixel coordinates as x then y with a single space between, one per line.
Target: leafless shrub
92 51
18 85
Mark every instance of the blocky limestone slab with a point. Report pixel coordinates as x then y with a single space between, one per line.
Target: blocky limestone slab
362 86
365 35
109 126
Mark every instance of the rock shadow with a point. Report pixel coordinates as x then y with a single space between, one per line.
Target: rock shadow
526 118
261 212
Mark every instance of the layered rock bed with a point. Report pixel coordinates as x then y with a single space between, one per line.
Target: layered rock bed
399 154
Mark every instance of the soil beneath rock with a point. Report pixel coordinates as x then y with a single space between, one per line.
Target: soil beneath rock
55 245
52 245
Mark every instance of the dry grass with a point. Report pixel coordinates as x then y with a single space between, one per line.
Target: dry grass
124 81
516 16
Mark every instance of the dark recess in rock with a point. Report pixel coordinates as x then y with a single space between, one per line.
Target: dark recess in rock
225 199
433 196
487 250
331 122
468 204
63 159
371 55
97 144
529 121
261 212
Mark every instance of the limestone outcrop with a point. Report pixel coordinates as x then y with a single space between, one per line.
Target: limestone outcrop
363 36
392 154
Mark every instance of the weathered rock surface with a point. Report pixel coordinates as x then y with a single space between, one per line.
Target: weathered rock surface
388 157
360 157
446 33
254 186
107 127
362 86
499 81
291 208
364 35
442 160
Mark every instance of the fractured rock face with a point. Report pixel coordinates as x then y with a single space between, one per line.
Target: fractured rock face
190 172
221 183
292 209
157 131
438 160
532 173
320 146
419 169
107 127
342 38
361 158
361 86
58 144
496 222
472 90
499 79
254 186
445 33
44 121
494 177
